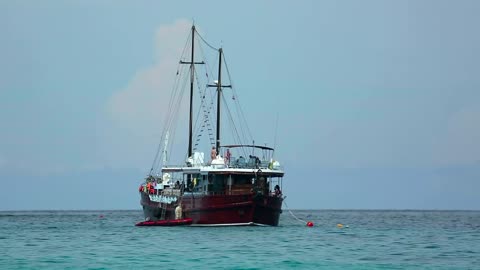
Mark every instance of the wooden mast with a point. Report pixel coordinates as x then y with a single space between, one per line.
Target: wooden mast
219 97
192 77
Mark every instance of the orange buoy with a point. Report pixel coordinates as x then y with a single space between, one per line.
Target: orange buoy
309 224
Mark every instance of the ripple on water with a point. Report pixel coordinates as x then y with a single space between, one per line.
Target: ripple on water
375 239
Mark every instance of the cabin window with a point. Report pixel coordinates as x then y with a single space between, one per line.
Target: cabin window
242 179
216 183
194 182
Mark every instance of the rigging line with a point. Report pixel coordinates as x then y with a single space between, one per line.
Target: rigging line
235 130
242 124
180 70
201 101
162 136
175 92
237 99
203 94
247 136
173 97
199 128
211 112
176 110
209 73
171 116
210 129
291 213
235 136
207 110
208 44
210 123
187 44
228 71
174 119
168 117
159 153
245 128
207 127
233 126
208 69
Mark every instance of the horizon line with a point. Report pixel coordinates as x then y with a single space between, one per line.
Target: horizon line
297 209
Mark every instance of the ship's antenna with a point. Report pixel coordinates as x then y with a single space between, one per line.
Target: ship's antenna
165 159
275 137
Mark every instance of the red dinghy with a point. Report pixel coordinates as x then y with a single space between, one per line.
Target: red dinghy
172 222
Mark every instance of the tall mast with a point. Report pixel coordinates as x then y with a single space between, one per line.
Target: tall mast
219 95
192 76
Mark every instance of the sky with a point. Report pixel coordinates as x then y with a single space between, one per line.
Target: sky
377 101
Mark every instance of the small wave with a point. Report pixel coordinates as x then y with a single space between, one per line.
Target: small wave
291 263
368 259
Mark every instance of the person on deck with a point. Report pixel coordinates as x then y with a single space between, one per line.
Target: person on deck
150 188
213 154
227 157
277 191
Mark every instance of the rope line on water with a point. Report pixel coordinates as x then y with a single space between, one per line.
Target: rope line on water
291 213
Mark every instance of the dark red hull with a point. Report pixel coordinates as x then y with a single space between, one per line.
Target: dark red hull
219 210
174 222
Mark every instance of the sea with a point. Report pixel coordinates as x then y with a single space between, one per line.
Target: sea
339 239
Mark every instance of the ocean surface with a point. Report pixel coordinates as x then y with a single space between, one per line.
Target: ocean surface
373 240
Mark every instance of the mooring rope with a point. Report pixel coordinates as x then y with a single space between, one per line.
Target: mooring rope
291 213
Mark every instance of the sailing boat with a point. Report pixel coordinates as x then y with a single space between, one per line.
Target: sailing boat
239 185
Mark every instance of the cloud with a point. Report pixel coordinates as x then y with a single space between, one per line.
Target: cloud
143 101
136 112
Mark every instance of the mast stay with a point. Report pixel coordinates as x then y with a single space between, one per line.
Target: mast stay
202 106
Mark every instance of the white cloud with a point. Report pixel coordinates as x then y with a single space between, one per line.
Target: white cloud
137 111
144 99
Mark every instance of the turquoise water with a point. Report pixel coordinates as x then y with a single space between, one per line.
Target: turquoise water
373 240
